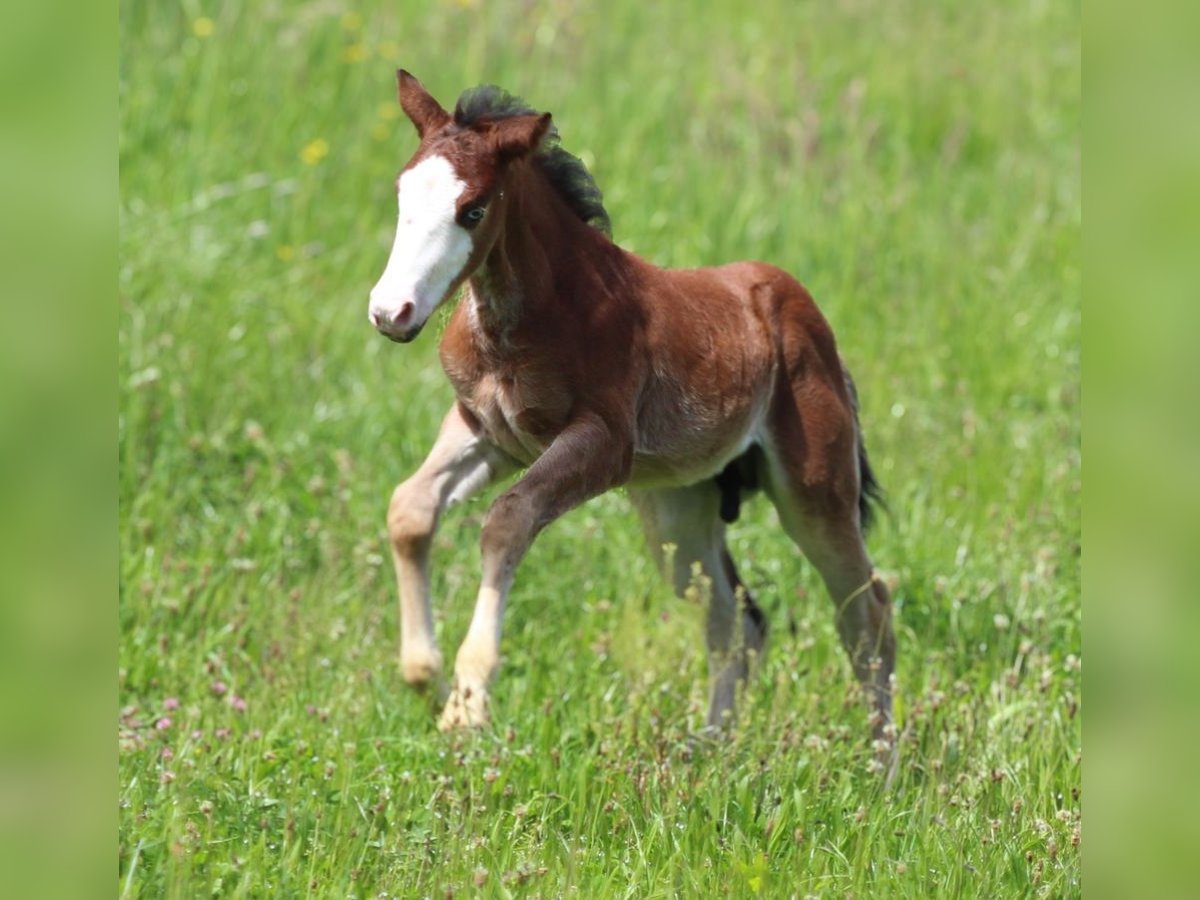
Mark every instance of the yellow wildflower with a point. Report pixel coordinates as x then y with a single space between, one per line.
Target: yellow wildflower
203 27
381 131
355 53
389 110
315 151
285 251
351 21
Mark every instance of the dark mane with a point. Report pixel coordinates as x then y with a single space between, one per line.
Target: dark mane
566 172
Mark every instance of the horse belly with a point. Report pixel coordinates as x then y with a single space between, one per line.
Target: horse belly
682 439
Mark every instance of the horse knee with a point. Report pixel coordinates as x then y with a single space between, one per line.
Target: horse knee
508 529
411 519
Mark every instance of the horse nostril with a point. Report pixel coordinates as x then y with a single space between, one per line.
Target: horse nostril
394 320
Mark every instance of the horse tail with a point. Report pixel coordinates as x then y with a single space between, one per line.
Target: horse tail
870 493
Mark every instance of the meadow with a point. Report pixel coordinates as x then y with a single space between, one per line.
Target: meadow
916 165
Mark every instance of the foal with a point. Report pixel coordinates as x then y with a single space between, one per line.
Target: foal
591 368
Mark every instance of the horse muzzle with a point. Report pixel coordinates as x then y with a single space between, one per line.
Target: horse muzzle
396 326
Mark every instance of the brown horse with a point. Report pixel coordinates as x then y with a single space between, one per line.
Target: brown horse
591 368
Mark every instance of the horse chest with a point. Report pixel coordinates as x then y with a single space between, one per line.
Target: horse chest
520 416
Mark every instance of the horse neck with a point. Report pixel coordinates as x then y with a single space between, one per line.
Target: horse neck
542 251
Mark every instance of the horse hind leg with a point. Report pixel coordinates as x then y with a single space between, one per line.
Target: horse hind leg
753 619
735 631
819 506
688 519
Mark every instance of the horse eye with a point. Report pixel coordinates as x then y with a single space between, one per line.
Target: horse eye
474 215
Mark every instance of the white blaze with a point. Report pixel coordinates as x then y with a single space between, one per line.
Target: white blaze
431 248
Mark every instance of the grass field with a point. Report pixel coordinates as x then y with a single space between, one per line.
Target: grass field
917 165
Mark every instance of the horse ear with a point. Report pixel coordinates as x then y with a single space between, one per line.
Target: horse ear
519 136
418 104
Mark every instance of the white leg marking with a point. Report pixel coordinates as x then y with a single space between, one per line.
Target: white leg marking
459 465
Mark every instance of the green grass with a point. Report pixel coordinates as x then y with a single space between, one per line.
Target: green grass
915 164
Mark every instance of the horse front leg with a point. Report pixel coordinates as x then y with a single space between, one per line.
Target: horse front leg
586 459
460 464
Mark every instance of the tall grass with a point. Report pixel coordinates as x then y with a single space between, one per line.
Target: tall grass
915 164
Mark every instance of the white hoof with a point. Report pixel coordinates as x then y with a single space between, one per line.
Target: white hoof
421 668
466 708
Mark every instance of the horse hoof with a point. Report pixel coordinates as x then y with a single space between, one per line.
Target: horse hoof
420 670
465 709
